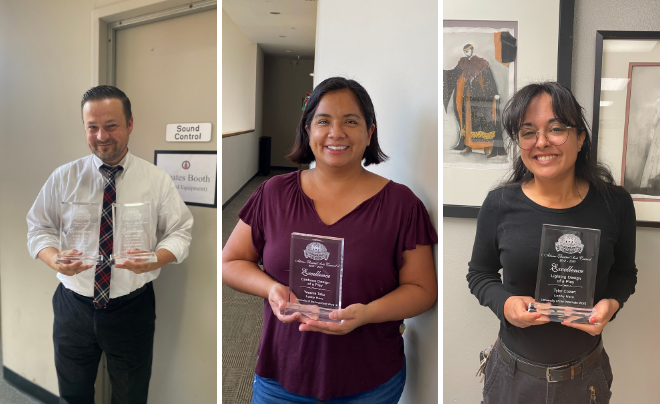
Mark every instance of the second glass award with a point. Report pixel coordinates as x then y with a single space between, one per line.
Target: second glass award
566 279
315 276
132 235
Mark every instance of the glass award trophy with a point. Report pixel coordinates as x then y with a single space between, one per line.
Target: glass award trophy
566 279
315 275
80 224
132 235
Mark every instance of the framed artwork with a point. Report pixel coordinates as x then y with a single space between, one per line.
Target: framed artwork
626 118
482 60
475 90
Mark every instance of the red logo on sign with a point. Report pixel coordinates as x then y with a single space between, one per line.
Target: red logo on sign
186 165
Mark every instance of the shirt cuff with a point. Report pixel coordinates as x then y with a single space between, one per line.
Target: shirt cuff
40 242
176 247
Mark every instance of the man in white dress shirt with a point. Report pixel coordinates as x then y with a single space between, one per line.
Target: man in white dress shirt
86 321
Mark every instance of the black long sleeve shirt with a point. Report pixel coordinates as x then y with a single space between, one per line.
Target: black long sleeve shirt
509 238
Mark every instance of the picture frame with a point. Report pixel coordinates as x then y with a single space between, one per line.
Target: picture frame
198 187
464 189
626 102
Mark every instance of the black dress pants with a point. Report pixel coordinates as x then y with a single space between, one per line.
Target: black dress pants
124 330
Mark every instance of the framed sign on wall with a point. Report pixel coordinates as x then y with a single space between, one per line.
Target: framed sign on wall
194 174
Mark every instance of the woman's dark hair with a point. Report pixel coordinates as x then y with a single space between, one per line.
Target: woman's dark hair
301 153
105 93
569 113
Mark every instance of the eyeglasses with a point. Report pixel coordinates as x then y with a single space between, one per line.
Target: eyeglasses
556 135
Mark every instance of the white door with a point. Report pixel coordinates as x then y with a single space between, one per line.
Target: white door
168 70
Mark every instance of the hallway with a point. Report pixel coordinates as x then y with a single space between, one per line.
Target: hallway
242 316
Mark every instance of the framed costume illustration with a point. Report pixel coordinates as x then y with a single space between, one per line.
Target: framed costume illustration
627 115
484 62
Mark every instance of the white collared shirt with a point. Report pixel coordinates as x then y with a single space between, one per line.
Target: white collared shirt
139 181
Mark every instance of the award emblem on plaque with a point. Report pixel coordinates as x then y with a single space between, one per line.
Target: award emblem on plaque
79 233
132 235
566 279
315 275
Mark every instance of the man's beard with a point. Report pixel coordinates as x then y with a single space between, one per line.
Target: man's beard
111 154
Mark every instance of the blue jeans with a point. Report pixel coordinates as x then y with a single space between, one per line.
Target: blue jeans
269 391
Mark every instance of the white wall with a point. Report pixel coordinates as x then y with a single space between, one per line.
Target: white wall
394 55
630 340
285 86
239 69
242 106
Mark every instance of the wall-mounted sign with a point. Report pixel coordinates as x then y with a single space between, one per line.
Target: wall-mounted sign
188 132
194 174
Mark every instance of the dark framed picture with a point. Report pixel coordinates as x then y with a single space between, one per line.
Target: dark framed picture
194 173
627 115
484 62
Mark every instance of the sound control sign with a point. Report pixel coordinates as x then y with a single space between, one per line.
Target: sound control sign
188 132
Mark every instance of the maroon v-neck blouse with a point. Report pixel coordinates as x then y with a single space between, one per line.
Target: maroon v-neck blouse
375 235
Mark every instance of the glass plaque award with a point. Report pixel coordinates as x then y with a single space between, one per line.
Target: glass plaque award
566 279
315 275
80 224
132 233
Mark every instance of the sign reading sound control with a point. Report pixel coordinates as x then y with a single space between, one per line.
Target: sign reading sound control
188 132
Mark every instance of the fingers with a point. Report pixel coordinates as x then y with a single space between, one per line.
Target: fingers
515 311
588 328
135 267
72 269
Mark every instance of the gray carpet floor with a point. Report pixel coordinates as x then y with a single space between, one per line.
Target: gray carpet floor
242 316
11 395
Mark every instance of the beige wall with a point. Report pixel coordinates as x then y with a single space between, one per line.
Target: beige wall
285 86
630 340
399 69
242 106
45 67
467 327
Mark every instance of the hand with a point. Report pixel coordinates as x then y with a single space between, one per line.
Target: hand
69 267
353 316
604 309
277 297
515 311
138 266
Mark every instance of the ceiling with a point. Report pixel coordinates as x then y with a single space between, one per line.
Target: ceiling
293 30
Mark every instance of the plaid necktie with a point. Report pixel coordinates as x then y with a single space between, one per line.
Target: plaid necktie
103 271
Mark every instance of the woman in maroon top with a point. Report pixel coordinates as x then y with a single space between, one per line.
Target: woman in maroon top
388 275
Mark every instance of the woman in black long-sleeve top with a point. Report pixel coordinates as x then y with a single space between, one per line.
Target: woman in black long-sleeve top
555 180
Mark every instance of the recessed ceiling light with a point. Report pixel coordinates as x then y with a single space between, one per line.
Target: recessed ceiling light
274 12
287 51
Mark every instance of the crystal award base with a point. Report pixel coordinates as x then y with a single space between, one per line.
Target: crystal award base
87 259
563 314
137 257
313 312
